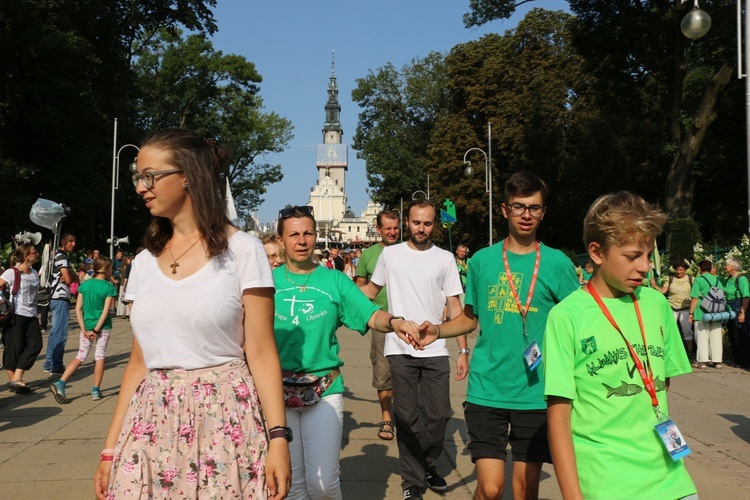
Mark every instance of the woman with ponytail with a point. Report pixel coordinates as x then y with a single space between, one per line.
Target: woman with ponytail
188 421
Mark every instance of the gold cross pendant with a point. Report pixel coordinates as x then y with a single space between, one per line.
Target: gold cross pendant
174 265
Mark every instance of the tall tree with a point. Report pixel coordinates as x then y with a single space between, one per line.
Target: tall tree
66 75
643 62
531 86
186 83
399 110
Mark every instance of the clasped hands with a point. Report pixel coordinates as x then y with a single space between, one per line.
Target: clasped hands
417 336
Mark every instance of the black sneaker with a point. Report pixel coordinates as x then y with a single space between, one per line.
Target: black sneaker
412 493
434 480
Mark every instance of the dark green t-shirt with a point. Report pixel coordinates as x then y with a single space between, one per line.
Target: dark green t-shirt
499 376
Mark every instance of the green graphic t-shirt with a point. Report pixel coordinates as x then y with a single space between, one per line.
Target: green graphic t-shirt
499 377
306 320
618 452
95 292
366 267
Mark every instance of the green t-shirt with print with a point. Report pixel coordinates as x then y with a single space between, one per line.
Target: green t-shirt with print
612 418
499 376
701 285
306 320
95 292
365 268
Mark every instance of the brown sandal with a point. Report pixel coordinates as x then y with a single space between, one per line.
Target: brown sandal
383 433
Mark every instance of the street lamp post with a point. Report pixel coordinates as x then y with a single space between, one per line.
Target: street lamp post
115 185
695 25
744 36
469 171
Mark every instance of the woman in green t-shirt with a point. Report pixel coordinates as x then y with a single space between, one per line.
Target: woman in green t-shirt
312 302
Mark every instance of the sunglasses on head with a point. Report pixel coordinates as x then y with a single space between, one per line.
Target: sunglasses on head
297 209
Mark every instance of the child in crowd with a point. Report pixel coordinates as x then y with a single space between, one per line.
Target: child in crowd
611 348
95 299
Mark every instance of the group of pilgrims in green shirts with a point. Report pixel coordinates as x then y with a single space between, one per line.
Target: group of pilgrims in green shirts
564 373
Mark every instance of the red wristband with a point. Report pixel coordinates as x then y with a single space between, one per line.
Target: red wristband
107 458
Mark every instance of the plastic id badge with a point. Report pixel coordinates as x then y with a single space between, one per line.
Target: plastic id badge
533 356
673 440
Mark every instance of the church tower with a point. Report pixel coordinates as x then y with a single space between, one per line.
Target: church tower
328 197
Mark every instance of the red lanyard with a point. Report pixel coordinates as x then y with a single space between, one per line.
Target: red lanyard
523 311
648 378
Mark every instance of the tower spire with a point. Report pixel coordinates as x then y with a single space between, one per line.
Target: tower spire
333 108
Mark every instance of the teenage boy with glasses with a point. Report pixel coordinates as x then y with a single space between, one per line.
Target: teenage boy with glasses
510 289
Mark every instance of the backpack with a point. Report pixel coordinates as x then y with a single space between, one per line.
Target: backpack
714 301
6 305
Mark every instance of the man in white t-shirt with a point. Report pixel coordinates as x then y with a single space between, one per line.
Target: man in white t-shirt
420 278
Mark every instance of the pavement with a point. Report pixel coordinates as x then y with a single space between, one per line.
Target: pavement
51 451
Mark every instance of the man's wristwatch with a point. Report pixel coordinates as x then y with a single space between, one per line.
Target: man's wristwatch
390 321
280 432
464 351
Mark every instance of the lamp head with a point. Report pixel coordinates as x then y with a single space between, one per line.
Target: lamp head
469 170
696 23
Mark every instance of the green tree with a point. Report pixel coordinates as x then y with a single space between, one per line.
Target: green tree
530 85
399 110
186 83
648 72
66 75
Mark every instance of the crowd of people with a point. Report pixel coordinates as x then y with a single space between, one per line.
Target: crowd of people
234 387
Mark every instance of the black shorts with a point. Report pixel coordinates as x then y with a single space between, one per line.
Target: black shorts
490 430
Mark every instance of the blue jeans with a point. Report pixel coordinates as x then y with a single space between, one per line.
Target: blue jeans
58 334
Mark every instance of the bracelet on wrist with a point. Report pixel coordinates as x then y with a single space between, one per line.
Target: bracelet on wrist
390 321
437 329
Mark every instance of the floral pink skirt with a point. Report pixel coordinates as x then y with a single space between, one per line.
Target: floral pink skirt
192 434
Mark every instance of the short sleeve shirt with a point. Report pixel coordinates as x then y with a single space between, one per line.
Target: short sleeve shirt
366 267
309 310
196 322
60 290
701 285
499 377
612 418
95 293
24 303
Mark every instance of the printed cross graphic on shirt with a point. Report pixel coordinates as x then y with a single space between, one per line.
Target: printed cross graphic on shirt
304 307
500 298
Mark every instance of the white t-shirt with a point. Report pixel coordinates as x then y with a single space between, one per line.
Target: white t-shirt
196 322
24 303
419 284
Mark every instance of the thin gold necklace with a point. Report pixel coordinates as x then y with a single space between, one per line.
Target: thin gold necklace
174 265
301 287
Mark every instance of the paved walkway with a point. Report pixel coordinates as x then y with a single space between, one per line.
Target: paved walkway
51 451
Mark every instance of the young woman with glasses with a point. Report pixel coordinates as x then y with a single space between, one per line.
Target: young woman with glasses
188 422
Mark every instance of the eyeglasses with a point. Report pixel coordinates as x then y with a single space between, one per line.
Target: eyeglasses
302 210
518 209
149 178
